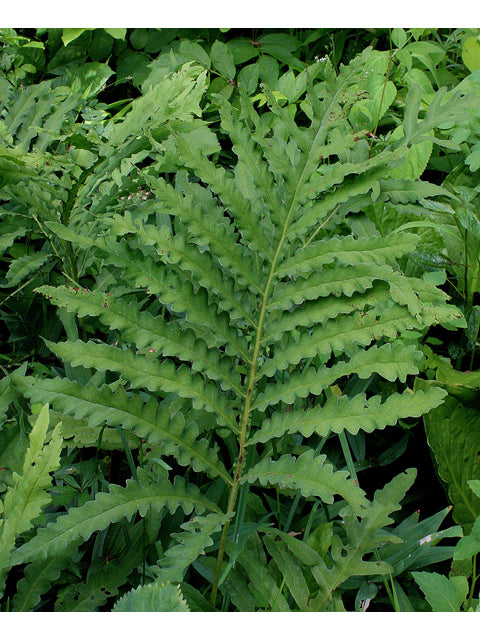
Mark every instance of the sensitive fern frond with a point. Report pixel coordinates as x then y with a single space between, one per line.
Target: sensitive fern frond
364 536
154 423
156 596
188 546
350 414
150 373
390 361
25 500
151 334
312 476
237 289
120 502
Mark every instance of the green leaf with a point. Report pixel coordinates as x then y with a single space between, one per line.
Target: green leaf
471 53
453 434
90 78
22 267
442 593
420 546
390 361
312 476
188 546
118 34
120 502
26 498
156 596
469 546
149 421
248 78
350 414
363 536
399 37
151 334
290 570
69 35
222 60
39 578
141 371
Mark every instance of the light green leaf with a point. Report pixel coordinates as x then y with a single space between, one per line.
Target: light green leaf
399 37
156 596
312 476
471 53
442 593
188 546
69 35
222 60
350 414
118 34
120 502
22 267
469 546
26 498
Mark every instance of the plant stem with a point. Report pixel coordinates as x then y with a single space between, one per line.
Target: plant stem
474 345
474 580
383 93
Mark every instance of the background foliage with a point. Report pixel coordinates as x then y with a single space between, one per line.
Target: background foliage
204 410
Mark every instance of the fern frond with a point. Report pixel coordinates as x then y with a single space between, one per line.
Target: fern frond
389 361
149 333
176 99
179 294
173 290
24 501
350 414
147 421
313 214
154 597
156 376
188 546
312 476
313 312
250 156
177 253
328 176
223 184
348 251
340 334
335 280
120 502
364 536
39 577
207 225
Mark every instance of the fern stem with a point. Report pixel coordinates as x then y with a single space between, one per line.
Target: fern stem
246 410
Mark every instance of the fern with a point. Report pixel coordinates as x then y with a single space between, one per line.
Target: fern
120 502
38 579
25 500
364 536
311 475
237 290
156 596
190 545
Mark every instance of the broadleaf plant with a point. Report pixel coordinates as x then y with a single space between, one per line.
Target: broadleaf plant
244 324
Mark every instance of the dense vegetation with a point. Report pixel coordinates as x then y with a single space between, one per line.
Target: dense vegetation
240 280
